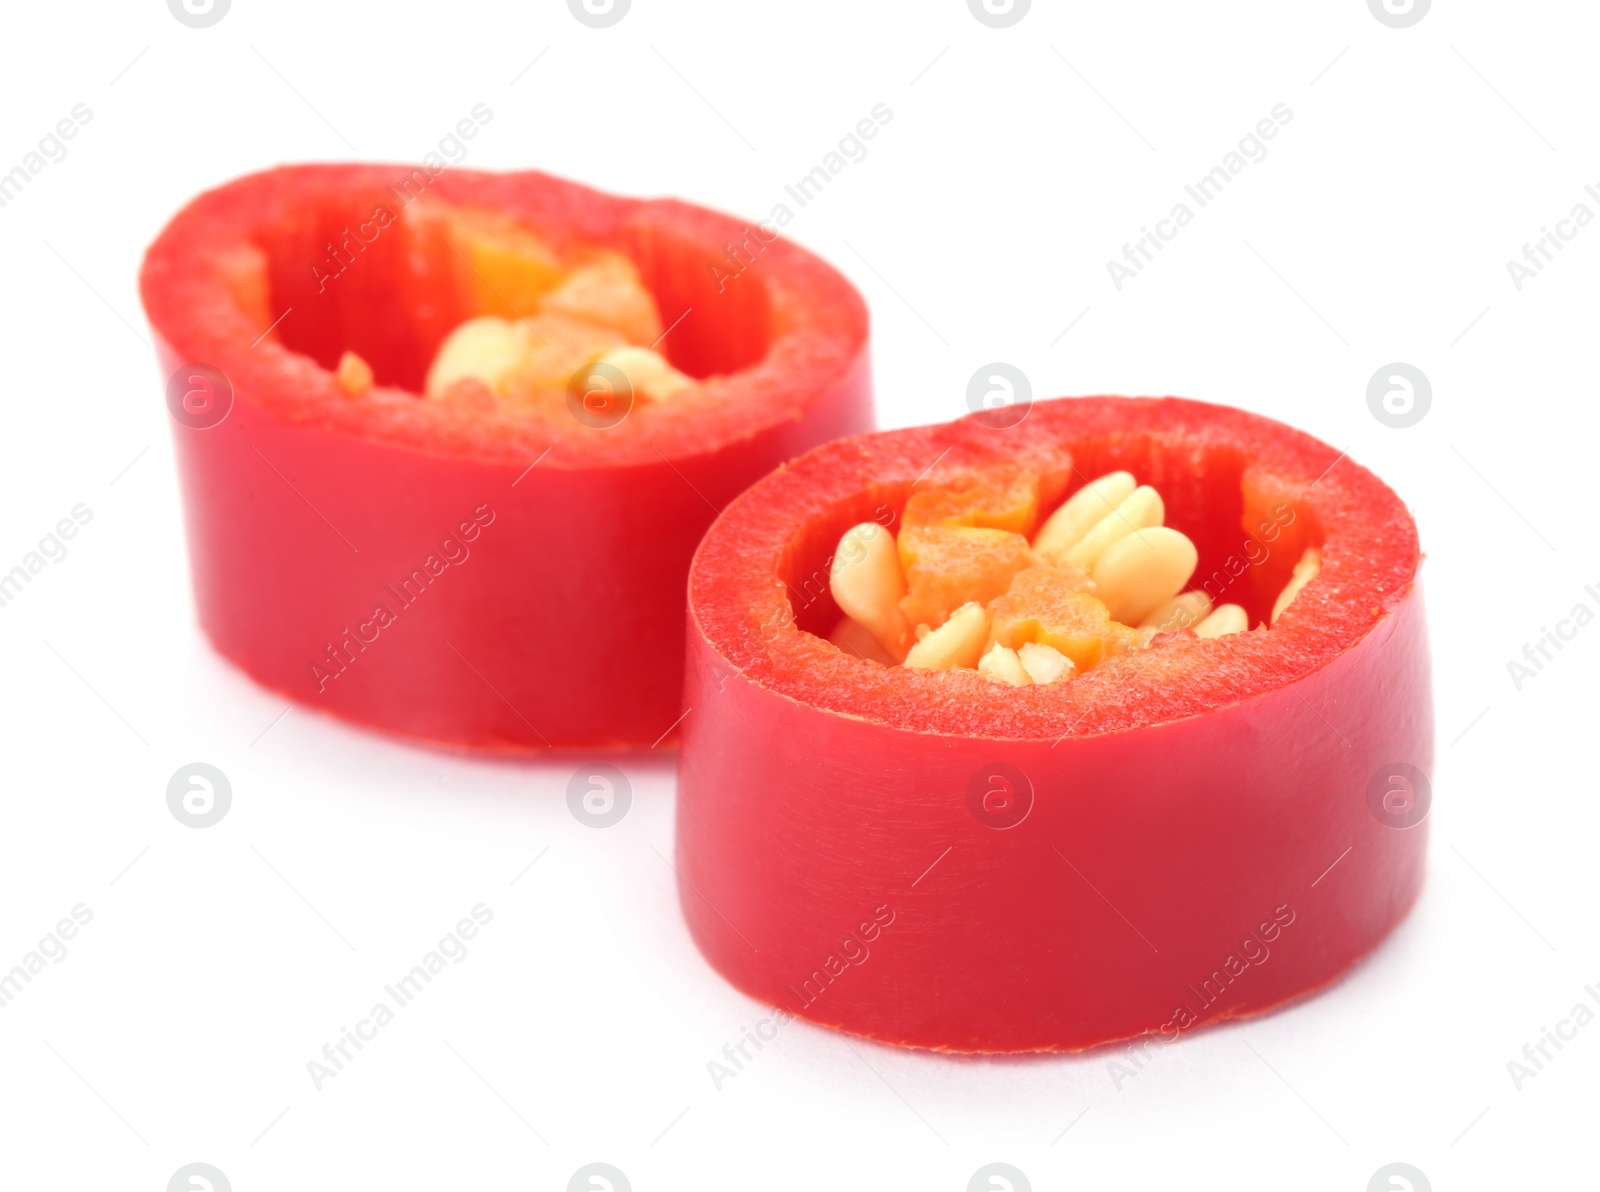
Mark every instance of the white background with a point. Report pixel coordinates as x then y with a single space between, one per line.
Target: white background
1018 161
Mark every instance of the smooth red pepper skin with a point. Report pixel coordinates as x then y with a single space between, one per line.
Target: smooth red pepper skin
445 590
1167 874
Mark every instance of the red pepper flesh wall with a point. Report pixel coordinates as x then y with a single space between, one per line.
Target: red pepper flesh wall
1184 833
474 572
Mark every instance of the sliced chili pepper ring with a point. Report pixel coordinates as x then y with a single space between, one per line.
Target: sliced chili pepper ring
461 571
1179 835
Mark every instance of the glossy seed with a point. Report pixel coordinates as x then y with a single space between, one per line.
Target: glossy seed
1139 510
485 349
1079 513
958 642
1044 664
856 639
1178 613
1003 666
1224 620
867 584
1304 572
1139 572
353 376
647 371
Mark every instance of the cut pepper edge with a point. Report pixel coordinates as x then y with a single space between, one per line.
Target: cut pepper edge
821 488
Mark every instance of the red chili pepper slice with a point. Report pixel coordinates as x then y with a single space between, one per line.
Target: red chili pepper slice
452 570
1193 831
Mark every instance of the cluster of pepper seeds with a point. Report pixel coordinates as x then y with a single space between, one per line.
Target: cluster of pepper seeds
961 588
541 322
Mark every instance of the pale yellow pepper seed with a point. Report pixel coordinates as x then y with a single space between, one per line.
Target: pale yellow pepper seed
958 642
648 373
867 583
1044 664
353 376
1139 572
856 639
1080 512
1139 510
1224 620
1304 572
1178 613
485 349
1003 666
